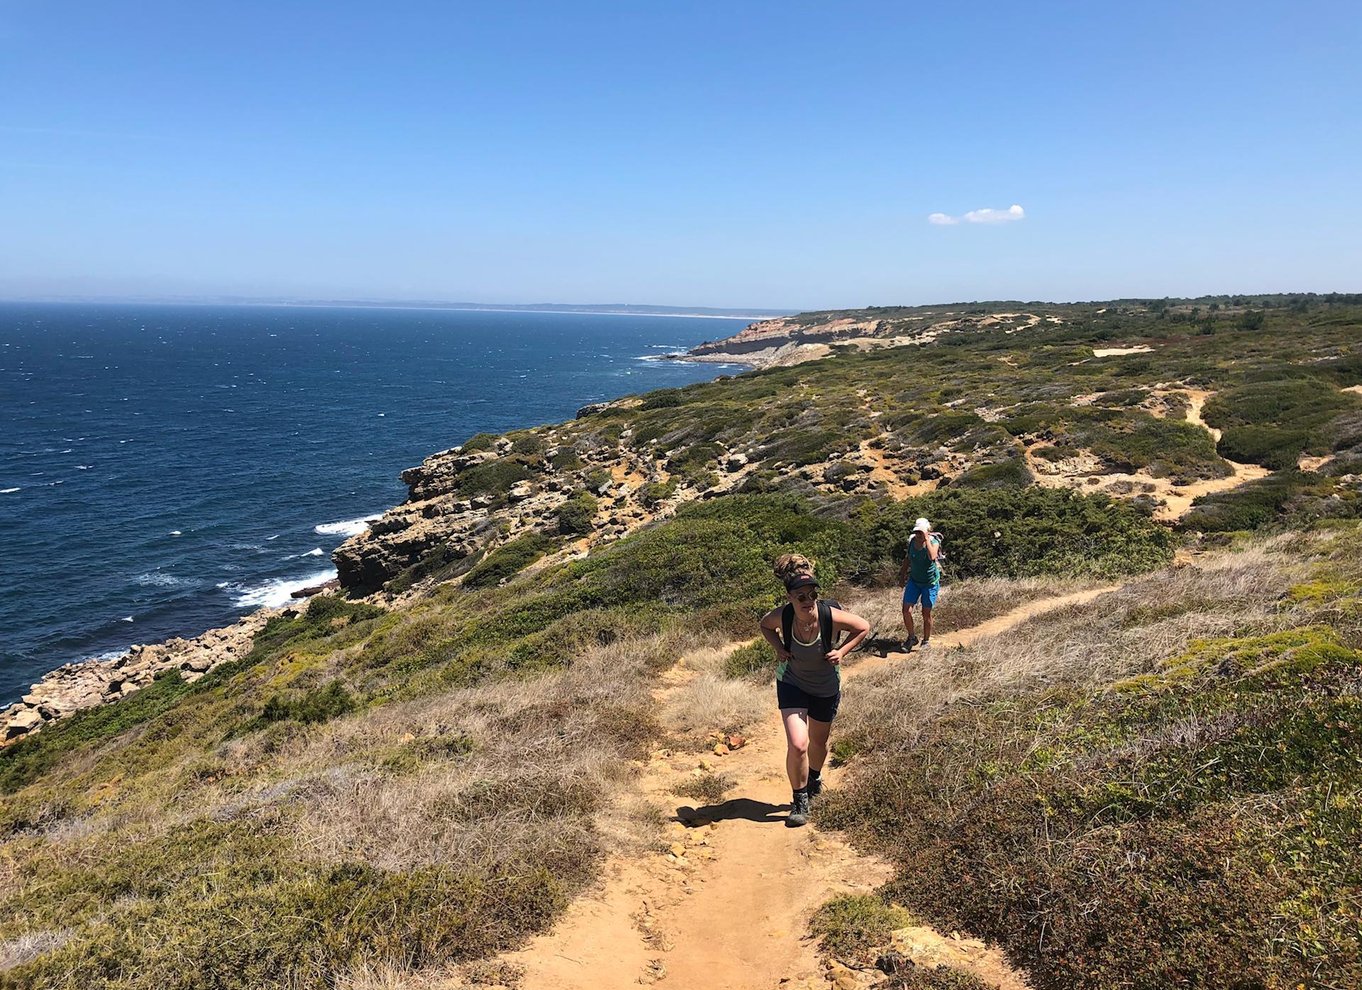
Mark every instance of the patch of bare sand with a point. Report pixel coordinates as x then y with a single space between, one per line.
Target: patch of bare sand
1116 351
884 471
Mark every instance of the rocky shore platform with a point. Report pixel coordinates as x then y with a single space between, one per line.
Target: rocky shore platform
89 683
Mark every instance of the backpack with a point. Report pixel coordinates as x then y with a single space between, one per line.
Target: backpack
825 607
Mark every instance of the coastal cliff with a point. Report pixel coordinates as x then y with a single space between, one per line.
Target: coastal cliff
809 336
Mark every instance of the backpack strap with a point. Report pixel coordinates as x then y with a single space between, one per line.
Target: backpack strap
825 622
786 624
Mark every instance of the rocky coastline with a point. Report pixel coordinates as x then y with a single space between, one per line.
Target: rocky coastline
90 683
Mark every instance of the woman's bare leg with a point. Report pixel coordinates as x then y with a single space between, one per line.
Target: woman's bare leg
796 746
926 623
818 743
908 620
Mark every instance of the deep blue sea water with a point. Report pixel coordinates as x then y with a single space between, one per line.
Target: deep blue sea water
165 469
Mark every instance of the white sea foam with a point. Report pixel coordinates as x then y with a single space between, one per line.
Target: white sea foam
127 618
274 537
159 579
272 594
347 527
314 552
176 532
8 491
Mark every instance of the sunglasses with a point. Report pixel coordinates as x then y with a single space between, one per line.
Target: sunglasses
805 596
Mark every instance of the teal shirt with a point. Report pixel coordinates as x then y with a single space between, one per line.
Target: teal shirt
922 570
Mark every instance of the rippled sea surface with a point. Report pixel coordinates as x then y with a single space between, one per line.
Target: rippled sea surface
164 469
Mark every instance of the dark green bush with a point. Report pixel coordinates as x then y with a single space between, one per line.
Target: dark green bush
480 443
493 477
318 705
575 516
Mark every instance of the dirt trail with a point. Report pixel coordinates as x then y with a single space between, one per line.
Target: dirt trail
1084 470
726 906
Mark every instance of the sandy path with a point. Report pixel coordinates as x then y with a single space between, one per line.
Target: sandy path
726 905
1084 472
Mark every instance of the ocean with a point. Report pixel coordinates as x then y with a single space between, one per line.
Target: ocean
166 469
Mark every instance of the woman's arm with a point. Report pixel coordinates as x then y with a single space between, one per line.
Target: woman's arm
847 622
933 545
771 631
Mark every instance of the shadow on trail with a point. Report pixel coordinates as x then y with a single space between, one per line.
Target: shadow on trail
736 808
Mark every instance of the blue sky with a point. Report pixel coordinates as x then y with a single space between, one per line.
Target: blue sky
725 154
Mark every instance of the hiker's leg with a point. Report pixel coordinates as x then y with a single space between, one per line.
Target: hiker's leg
796 745
909 598
926 622
818 743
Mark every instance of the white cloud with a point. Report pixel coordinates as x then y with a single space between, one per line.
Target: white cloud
1013 212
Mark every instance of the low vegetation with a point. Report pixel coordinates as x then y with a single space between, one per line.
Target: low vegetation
1184 754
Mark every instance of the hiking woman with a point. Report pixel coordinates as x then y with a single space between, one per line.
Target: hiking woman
920 575
804 634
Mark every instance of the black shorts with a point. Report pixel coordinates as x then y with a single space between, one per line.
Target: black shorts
793 696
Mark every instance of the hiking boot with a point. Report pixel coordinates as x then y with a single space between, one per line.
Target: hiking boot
926 644
799 810
910 642
815 787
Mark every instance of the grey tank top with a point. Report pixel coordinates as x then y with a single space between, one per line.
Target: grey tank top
808 671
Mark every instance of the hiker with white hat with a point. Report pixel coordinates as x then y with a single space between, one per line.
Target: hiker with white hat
920 575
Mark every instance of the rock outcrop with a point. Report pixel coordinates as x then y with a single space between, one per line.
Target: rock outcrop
75 686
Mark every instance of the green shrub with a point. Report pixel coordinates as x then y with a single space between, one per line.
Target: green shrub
508 560
755 661
663 398
854 924
655 493
480 443
575 516
1273 422
493 477
566 460
1010 473
318 705
528 444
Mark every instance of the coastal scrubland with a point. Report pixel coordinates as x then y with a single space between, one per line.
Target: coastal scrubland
1157 788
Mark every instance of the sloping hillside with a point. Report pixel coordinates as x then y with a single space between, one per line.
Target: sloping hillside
399 782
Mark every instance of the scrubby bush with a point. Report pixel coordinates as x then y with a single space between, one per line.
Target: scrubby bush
508 560
655 493
493 477
575 516
1273 422
1021 532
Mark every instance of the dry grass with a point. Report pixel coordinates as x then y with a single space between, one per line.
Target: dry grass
962 604
1117 635
545 755
30 945
708 701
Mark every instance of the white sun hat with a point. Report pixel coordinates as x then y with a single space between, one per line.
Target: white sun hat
922 525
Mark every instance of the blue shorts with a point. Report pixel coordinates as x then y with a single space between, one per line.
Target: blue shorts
913 592
793 696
